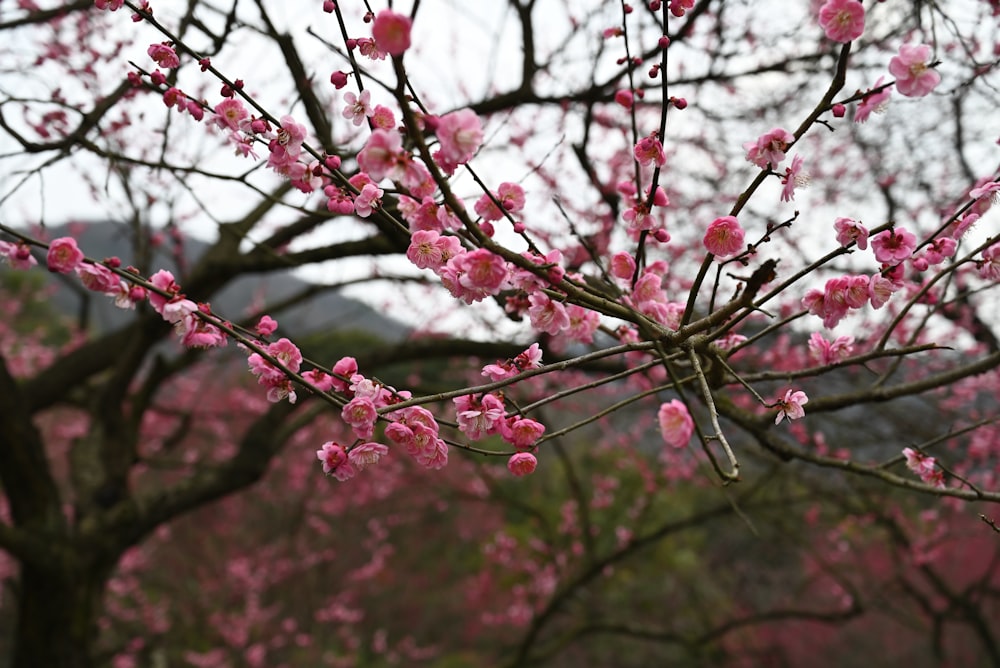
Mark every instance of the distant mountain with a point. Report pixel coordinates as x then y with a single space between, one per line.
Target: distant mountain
326 310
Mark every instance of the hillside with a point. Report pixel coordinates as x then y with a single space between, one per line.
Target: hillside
325 310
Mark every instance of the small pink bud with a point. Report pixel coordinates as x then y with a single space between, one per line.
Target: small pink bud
339 79
624 98
663 42
839 110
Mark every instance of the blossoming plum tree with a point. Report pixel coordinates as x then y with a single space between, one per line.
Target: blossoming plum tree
631 230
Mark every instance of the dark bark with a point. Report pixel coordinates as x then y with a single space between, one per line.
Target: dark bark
58 609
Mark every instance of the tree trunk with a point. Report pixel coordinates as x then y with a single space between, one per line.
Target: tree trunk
57 616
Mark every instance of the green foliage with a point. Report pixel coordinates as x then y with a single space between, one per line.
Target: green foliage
35 316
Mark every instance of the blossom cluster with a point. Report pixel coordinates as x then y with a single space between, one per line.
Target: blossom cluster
924 466
894 250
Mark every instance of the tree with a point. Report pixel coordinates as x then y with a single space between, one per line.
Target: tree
632 262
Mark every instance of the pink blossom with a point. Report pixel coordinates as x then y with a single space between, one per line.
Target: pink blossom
583 323
369 49
178 308
343 371
319 379
335 461
794 178
460 133
989 267
880 290
63 255
769 148
522 463
98 278
547 315
790 406
510 196
873 102
482 270
360 413
893 246
430 250
174 97
724 237
391 32
855 291
528 359
478 417
243 145
435 455
196 332
408 424
850 230
286 147
164 55
357 108
164 281
382 118
287 354
231 114
679 7
842 20
638 218
832 303
266 326
364 455
918 462
381 154
914 78
522 433
109 5
934 253
676 425
989 190
453 279
416 430
923 466
649 150
958 228
368 200
339 200
649 288
825 352
622 266
624 98
420 215
195 109
17 255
